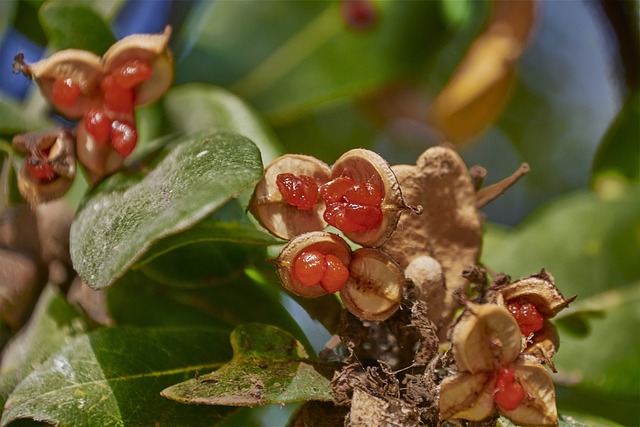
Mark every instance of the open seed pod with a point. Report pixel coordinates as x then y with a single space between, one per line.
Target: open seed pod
467 396
365 166
51 151
539 405
485 337
271 209
375 286
152 49
320 241
98 159
82 67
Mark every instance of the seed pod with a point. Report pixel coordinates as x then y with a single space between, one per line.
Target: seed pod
53 149
450 227
269 206
375 286
98 159
320 241
82 67
539 407
152 49
467 396
364 166
487 336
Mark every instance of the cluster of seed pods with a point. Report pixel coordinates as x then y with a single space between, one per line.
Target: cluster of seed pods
101 93
299 196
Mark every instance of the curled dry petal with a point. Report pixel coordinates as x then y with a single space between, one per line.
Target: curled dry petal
366 166
270 208
151 48
59 145
539 406
450 227
467 396
83 67
375 285
486 338
323 242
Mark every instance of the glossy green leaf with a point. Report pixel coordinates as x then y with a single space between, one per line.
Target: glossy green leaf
120 220
106 377
194 107
591 247
268 366
75 26
311 57
54 323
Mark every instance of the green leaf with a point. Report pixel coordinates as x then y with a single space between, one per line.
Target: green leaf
574 420
285 66
53 324
14 119
119 221
106 377
268 366
194 107
7 12
591 247
75 26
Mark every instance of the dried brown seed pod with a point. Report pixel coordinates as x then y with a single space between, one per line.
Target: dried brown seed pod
485 337
271 209
375 286
50 165
450 227
365 166
152 49
467 396
83 68
318 241
539 405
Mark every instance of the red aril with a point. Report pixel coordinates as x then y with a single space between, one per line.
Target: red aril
132 73
527 315
334 190
299 191
336 274
65 92
98 125
116 98
335 215
365 193
309 267
508 394
40 169
364 216
123 137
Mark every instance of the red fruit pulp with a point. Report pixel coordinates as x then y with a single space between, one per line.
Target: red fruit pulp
299 191
132 73
527 315
508 394
334 190
309 267
65 92
123 137
116 98
336 274
98 125
366 194
364 216
39 168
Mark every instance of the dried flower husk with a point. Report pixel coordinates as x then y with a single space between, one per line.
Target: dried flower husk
83 67
320 241
450 227
486 336
60 145
366 166
273 212
151 48
375 285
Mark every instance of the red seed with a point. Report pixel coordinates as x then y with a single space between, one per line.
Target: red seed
508 393
334 191
98 125
132 73
335 215
527 315
123 137
39 167
365 193
309 267
65 92
365 216
299 191
116 98
336 274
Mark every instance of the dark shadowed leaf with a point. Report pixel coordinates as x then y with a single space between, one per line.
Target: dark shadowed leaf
268 366
106 377
120 220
